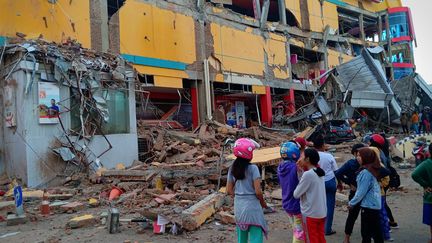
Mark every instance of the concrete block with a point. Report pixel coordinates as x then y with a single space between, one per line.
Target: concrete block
195 216
13 219
226 218
72 207
83 221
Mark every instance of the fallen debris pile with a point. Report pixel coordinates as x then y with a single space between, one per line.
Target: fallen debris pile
203 146
176 187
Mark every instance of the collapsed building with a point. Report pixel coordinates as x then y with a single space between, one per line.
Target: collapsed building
64 103
240 62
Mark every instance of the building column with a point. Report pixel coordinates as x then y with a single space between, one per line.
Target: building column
195 107
99 25
290 100
266 108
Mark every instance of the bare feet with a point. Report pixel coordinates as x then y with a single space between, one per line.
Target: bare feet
347 239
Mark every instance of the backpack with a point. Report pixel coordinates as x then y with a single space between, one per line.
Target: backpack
394 178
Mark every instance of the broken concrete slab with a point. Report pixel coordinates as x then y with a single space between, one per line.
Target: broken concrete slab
13 219
72 207
195 216
82 221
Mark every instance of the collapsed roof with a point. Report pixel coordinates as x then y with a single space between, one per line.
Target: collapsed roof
359 83
412 92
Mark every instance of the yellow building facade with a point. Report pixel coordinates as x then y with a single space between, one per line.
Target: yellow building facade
168 41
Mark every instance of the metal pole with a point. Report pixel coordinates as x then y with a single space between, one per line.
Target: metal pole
264 13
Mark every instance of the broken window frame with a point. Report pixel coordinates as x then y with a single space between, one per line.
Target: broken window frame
273 15
118 118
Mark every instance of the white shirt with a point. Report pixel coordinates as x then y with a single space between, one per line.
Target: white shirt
312 194
328 163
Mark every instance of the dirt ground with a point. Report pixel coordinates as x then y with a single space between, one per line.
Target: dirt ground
406 206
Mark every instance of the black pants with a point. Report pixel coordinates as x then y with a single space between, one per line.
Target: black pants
371 226
387 208
353 214
405 129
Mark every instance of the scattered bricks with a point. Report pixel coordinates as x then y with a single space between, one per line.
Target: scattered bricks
72 207
189 196
82 221
56 206
204 192
195 216
164 198
226 218
13 219
201 182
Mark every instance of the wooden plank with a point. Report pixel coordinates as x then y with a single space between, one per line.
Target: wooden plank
264 157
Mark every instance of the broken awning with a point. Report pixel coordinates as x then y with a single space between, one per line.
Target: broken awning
364 78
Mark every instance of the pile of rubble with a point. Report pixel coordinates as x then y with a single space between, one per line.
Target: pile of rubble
176 188
203 146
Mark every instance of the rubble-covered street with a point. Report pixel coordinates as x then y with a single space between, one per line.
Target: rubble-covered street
54 227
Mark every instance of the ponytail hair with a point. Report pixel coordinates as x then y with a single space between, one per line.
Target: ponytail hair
314 158
239 167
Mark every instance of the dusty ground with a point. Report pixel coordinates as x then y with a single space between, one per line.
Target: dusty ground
406 206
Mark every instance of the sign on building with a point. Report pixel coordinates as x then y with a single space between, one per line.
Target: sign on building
49 95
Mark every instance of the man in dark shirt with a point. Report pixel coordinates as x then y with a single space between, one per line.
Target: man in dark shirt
53 110
348 175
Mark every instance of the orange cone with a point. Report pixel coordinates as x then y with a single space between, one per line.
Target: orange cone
115 193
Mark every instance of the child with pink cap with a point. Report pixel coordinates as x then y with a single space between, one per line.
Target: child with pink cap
244 183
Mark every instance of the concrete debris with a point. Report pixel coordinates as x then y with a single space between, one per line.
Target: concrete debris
195 216
13 219
83 221
72 207
226 217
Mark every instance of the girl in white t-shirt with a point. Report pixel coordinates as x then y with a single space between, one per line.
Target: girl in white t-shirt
312 194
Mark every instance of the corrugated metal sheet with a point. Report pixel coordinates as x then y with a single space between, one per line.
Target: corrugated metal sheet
365 79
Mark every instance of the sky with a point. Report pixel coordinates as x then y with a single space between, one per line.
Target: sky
422 18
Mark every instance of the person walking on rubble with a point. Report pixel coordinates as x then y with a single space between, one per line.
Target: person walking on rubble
368 196
423 176
425 120
415 122
288 173
244 183
404 123
328 163
312 194
348 175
